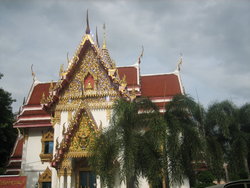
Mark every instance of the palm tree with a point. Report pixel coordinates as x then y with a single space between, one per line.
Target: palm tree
244 120
143 142
125 146
227 143
184 143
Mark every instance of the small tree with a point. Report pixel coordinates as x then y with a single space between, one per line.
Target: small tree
7 133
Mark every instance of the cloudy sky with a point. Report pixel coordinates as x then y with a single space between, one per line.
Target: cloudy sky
212 35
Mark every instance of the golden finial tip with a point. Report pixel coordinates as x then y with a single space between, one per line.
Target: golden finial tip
104 46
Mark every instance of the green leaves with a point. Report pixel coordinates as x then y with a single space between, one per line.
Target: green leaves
227 138
7 133
172 146
184 144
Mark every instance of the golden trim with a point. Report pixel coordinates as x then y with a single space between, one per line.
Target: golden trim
46 137
45 177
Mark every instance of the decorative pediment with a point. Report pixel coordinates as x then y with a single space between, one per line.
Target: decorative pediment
77 138
48 136
90 73
45 176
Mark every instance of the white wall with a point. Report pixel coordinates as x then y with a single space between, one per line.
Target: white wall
100 116
31 163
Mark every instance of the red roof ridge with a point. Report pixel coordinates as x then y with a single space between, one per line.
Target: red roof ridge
160 74
127 66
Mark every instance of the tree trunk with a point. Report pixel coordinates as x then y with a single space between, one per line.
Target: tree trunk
246 167
131 182
164 184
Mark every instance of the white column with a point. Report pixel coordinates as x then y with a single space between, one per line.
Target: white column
58 182
54 178
98 182
62 181
68 181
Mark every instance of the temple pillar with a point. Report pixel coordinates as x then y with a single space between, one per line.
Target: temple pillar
61 178
61 182
69 178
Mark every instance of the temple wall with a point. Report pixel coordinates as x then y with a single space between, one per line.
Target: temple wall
31 163
100 116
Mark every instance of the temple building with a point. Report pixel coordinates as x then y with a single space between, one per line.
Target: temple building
58 119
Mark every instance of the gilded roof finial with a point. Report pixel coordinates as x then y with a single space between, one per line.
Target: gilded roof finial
179 63
104 46
96 36
61 71
33 74
142 52
87 29
68 58
51 86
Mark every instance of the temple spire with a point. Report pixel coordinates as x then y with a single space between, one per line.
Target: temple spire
96 36
87 28
104 46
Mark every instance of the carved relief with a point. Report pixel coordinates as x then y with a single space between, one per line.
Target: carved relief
82 138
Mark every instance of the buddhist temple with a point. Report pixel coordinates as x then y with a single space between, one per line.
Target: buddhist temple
58 119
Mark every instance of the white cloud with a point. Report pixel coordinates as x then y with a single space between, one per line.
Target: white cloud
212 35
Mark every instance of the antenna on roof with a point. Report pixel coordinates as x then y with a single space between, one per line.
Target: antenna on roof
96 36
87 28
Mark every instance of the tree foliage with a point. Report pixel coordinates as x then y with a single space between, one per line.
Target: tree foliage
7 133
227 136
171 147
184 142
127 147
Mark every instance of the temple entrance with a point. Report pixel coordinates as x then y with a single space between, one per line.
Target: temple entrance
87 179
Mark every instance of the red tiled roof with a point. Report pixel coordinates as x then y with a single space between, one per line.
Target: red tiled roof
34 112
37 93
160 85
18 149
14 166
130 73
33 109
16 172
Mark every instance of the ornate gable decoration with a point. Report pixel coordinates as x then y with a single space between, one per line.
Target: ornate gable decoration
77 138
90 73
45 176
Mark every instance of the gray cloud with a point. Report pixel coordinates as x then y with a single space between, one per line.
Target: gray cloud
212 35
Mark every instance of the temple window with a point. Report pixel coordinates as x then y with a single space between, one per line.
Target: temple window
47 146
45 179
